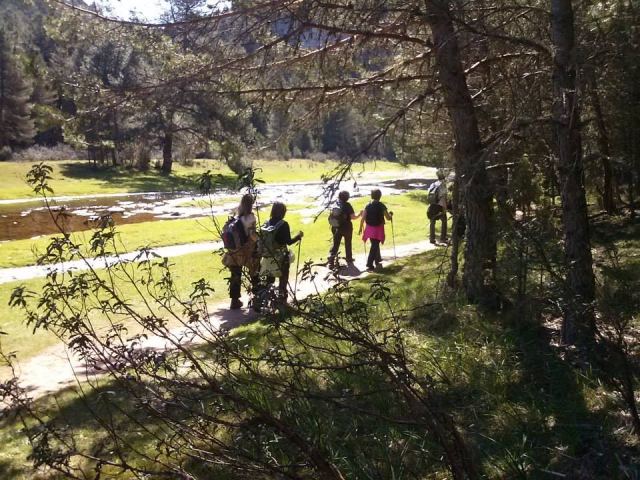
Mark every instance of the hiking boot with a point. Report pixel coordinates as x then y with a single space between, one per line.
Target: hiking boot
432 241
236 303
370 268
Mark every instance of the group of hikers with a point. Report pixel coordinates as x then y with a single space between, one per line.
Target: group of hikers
271 258
266 255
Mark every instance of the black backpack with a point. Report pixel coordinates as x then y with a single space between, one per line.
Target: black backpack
233 234
374 213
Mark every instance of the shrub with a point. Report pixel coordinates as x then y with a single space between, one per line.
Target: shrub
185 153
269 155
137 154
320 157
5 154
234 157
39 153
291 402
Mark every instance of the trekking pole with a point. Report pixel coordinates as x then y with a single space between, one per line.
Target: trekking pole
393 237
295 286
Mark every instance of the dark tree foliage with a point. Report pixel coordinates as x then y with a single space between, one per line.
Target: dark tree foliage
16 126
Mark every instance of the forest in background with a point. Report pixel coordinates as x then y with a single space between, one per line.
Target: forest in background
53 81
534 108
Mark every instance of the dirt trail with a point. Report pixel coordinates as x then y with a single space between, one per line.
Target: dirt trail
33 271
57 367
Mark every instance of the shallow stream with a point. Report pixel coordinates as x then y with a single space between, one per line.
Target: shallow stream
31 218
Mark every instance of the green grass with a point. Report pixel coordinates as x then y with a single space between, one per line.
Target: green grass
171 232
79 177
520 407
159 233
408 211
190 267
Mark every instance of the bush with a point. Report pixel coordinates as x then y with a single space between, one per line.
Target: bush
269 155
234 157
137 155
320 157
5 154
185 153
39 153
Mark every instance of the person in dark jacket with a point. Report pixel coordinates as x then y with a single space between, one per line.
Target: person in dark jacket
374 214
245 255
276 256
344 229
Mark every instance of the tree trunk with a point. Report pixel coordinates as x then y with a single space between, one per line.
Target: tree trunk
116 137
468 151
167 152
579 322
608 201
455 238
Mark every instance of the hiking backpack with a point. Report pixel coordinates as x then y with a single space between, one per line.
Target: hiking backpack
374 213
233 234
432 193
267 245
336 216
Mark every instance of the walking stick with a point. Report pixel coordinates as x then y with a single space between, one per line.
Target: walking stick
364 245
295 286
393 237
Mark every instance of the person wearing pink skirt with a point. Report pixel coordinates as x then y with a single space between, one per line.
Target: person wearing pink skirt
373 218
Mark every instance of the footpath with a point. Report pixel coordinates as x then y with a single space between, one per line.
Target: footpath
57 367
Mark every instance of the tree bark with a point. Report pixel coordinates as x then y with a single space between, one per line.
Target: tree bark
579 321
167 152
468 150
455 238
608 201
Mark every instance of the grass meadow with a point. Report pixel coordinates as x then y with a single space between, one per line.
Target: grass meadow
526 410
191 266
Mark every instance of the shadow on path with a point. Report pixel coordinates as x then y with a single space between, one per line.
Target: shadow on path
57 367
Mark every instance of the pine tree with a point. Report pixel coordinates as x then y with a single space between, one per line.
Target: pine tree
16 126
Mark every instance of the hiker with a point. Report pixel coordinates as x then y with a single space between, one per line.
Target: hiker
437 210
244 255
373 216
275 238
340 218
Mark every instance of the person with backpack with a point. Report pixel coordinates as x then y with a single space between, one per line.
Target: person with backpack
240 239
340 217
437 210
275 238
373 216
